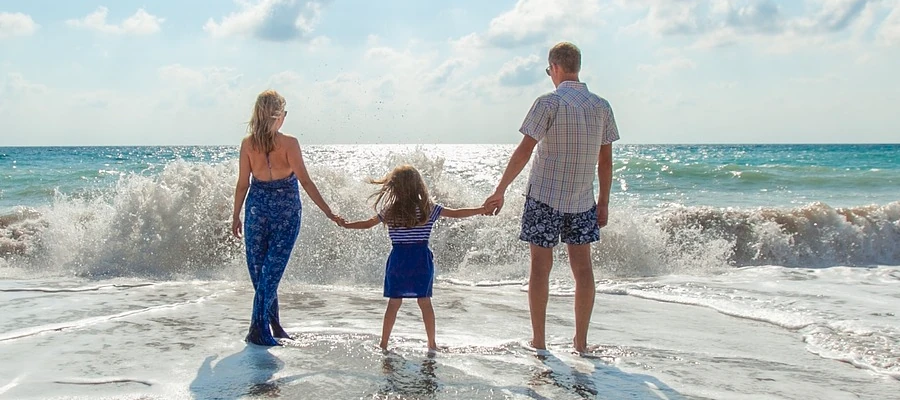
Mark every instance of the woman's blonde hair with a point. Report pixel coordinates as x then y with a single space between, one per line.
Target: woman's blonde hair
402 194
269 106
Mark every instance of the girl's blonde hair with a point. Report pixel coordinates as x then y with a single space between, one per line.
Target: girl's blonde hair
402 193
269 106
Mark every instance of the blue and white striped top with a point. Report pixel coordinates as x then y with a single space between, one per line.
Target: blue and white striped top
416 234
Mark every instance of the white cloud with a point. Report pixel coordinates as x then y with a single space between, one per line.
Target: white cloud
667 67
703 17
98 99
521 71
16 24
889 32
402 62
273 20
15 83
815 80
535 22
284 78
440 75
833 16
191 77
141 23
201 87
16 91
319 43
673 18
715 23
724 85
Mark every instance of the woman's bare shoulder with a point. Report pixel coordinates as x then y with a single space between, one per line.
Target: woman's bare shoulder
287 136
289 140
245 142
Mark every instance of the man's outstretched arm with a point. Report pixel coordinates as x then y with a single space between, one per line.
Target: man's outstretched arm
517 162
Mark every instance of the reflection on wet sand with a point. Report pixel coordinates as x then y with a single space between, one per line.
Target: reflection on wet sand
602 381
409 379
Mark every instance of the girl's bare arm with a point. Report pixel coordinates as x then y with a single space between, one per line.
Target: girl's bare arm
365 224
463 212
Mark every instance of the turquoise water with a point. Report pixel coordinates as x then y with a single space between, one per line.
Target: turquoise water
646 175
165 211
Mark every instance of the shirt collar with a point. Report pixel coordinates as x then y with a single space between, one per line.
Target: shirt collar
572 85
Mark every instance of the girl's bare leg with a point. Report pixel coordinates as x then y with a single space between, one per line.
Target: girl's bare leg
390 316
428 318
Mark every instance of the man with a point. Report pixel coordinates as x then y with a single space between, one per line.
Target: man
573 130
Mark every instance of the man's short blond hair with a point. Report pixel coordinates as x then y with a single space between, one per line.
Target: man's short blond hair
567 56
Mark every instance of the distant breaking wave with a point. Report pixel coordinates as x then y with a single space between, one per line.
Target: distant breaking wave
177 224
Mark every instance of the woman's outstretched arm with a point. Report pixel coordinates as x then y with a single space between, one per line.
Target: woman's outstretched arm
295 158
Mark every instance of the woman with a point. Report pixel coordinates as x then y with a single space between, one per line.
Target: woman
273 209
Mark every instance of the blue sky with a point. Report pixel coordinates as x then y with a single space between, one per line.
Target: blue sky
409 71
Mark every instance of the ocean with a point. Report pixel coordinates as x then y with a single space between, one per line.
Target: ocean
726 272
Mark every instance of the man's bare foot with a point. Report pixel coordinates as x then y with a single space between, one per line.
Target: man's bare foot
580 348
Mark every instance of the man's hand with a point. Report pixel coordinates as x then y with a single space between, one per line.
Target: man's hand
602 215
493 204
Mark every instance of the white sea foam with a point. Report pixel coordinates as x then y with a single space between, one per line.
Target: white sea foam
176 224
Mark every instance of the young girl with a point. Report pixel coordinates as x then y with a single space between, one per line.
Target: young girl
409 214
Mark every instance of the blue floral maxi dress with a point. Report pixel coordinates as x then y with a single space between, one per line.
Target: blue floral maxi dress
271 226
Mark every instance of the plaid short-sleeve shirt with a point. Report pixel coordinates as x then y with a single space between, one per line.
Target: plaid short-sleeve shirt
570 124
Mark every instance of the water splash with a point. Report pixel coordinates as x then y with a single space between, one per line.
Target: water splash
175 223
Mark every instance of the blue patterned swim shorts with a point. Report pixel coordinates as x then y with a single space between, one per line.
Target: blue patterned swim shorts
543 226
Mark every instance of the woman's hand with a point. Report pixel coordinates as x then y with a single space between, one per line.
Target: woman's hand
338 220
236 226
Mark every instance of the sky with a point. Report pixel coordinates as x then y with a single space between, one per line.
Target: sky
88 72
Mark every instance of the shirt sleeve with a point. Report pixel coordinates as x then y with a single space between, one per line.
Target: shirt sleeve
436 212
537 122
610 130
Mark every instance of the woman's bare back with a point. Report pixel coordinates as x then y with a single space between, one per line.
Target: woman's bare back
277 166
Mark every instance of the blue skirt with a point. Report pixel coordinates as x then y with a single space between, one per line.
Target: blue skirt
409 272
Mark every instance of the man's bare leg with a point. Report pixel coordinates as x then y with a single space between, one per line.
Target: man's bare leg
539 292
585 292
